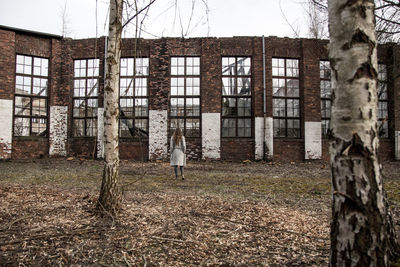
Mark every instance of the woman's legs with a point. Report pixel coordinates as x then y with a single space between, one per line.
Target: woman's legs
183 176
176 171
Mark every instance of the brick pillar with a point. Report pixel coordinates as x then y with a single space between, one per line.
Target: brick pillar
268 122
258 101
158 100
7 74
311 99
58 118
396 99
211 98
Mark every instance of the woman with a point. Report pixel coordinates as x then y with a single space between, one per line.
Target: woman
178 150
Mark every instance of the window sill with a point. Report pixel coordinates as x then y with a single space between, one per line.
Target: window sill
132 140
30 138
286 139
238 139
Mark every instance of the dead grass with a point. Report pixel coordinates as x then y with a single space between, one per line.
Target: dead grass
229 214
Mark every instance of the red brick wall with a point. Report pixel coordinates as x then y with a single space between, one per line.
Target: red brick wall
159 75
257 79
193 149
27 148
288 150
61 73
309 66
7 64
62 52
33 45
82 147
134 150
211 76
325 149
131 47
385 151
237 149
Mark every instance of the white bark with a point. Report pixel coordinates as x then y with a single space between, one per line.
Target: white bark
361 226
110 195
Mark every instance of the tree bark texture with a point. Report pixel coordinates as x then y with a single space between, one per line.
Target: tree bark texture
110 194
362 232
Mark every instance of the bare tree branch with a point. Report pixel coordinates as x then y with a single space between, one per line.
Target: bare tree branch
387 14
295 32
137 13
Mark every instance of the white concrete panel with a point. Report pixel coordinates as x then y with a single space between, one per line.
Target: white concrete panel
100 133
58 130
211 135
6 113
269 138
158 134
397 145
312 140
259 138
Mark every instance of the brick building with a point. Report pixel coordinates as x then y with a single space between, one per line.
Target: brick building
235 98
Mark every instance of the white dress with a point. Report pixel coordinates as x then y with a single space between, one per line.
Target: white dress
178 157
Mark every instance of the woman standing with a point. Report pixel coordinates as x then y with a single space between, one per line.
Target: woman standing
178 150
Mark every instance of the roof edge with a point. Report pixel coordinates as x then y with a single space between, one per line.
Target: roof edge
8 28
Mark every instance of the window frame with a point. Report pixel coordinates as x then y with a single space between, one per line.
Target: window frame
236 118
383 82
32 97
88 132
185 76
325 99
286 98
134 78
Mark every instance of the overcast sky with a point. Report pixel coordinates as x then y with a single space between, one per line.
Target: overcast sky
225 18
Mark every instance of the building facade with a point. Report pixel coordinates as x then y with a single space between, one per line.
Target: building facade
235 98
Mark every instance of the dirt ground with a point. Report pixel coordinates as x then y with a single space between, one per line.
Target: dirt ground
222 214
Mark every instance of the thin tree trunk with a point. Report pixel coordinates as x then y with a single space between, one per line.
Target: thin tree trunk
362 232
110 194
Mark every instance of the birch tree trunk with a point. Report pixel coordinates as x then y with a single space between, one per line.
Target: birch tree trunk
362 232
110 194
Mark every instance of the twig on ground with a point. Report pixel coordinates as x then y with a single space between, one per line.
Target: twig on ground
47 235
169 239
104 211
133 182
145 262
8 226
126 261
256 226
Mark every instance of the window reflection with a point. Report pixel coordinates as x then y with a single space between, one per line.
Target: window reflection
31 90
236 97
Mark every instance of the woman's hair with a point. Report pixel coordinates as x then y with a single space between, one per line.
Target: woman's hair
177 135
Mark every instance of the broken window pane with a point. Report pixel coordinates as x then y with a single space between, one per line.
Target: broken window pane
22 106
30 105
286 97
21 126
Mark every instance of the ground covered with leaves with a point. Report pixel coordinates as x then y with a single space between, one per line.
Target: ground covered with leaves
230 214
